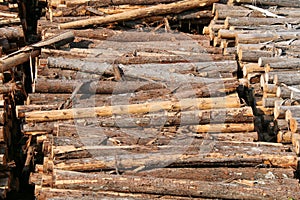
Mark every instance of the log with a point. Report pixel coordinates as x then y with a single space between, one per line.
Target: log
284 137
12 33
250 68
253 55
224 128
93 87
176 7
267 60
270 88
176 187
292 64
294 124
200 103
269 102
251 21
287 3
287 78
32 51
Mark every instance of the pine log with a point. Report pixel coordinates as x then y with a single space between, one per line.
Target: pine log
177 187
267 60
251 67
283 92
93 87
292 64
287 78
280 110
253 55
27 53
12 33
221 154
204 103
48 193
176 7
287 3
269 102
294 124
270 88
284 137
251 21
224 128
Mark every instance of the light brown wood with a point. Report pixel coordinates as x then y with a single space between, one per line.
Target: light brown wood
201 103
284 137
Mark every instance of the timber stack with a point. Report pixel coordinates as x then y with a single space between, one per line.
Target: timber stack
125 105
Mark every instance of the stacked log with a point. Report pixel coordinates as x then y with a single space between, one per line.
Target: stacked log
146 113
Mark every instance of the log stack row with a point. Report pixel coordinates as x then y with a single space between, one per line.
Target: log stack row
144 114
265 40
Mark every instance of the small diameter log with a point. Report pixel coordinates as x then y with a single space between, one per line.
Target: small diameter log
292 64
292 112
270 88
224 128
200 103
163 9
284 137
251 21
253 55
12 33
269 102
283 92
250 68
287 78
287 3
267 60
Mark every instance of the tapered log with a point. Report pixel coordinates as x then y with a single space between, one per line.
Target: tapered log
204 103
283 92
250 21
287 3
176 7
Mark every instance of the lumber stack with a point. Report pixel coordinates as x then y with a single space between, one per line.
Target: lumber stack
124 105
141 114
264 46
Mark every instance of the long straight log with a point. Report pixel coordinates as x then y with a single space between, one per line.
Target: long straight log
165 186
200 103
176 7
250 21
287 3
25 54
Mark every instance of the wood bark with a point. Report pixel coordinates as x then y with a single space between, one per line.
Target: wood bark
25 54
287 78
136 184
284 137
253 55
94 87
250 21
183 104
283 65
287 3
176 7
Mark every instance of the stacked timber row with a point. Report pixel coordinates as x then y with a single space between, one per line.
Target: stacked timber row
144 113
265 41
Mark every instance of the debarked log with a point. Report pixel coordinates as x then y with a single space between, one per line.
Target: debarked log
184 104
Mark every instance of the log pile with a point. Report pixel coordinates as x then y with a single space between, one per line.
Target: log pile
130 107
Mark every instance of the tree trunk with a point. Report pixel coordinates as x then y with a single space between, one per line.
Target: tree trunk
176 7
287 3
